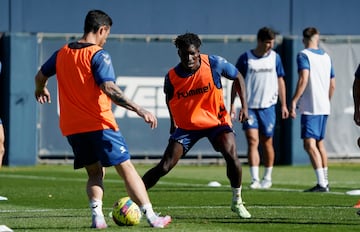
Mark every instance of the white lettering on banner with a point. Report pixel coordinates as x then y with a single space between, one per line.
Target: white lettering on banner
145 91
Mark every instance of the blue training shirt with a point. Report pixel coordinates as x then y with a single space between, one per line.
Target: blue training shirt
101 64
242 64
303 61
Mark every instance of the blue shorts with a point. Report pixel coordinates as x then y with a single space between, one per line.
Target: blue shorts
188 138
313 126
107 146
262 119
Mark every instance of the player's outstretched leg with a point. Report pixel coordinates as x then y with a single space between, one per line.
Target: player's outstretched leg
227 147
137 192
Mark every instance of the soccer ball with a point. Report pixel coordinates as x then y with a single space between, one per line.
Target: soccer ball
126 212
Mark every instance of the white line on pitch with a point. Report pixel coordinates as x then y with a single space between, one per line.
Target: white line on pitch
183 207
32 177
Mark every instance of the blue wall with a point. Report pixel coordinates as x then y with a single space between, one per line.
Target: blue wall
17 95
288 17
21 20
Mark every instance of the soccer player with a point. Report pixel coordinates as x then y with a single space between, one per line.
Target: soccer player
86 85
194 97
356 98
315 87
263 73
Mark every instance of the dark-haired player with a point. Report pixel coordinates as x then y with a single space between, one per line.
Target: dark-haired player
194 97
264 80
314 90
86 84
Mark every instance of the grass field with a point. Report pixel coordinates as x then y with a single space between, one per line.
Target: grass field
52 198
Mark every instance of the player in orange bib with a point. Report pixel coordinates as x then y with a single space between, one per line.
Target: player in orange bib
86 85
194 97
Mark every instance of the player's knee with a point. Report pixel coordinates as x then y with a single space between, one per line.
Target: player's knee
309 147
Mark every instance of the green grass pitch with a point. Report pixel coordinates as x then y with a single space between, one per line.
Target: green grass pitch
52 198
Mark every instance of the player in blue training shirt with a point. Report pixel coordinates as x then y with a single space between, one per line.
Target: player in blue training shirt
315 87
263 72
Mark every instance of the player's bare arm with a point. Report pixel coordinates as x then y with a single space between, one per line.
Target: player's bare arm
42 94
356 98
232 100
172 123
332 88
119 98
282 96
300 88
239 84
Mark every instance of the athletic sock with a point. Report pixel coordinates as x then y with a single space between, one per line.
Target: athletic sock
320 177
268 173
148 211
96 208
326 176
254 172
237 194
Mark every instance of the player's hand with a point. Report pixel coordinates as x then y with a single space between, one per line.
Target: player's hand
148 118
292 113
232 114
243 115
284 112
293 110
43 95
